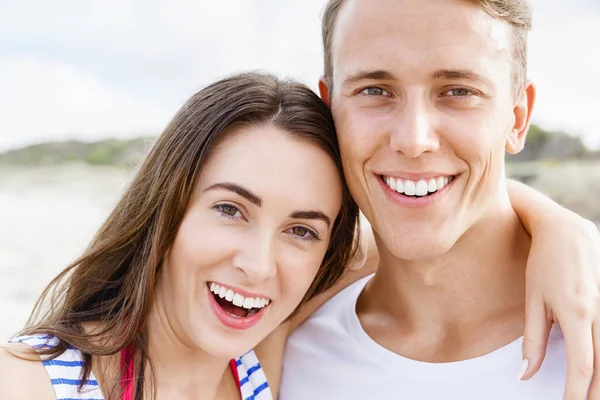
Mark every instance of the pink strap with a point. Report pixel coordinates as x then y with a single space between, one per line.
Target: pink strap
127 373
233 366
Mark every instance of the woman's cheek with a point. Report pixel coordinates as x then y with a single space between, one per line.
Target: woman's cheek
297 278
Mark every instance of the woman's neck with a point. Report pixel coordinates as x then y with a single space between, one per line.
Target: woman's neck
178 370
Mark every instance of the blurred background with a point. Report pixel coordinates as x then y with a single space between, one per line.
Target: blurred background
85 86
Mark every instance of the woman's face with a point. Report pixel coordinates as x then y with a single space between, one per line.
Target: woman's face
253 237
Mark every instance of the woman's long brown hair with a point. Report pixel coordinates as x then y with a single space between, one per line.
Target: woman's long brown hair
111 285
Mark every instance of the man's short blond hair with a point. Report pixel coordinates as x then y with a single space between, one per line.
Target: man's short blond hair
517 13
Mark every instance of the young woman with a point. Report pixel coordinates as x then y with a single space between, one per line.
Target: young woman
239 214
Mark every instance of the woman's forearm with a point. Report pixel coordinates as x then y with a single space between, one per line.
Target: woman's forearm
537 210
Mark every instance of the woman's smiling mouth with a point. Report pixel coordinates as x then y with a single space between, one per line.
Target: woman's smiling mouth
234 309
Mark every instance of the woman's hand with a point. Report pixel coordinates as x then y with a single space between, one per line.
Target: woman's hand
563 286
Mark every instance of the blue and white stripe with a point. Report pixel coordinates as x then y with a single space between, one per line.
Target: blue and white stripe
65 370
65 373
253 382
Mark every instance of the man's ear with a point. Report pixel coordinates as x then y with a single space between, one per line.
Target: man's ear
522 112
324 91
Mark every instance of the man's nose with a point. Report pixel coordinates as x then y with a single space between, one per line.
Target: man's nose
413 133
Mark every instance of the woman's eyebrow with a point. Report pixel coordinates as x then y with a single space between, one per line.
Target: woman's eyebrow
311 214
235 188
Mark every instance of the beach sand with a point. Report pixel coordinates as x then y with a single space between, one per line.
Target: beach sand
47 217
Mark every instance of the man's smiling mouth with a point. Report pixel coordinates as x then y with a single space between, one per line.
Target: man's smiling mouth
420 188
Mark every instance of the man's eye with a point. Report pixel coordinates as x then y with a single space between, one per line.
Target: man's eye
458 92
375 91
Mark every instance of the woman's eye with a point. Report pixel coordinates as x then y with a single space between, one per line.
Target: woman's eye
299 231
375 91
304 233
228 210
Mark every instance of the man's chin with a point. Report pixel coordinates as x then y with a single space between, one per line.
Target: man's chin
418 247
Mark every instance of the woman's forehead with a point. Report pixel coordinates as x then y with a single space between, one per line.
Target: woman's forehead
275 165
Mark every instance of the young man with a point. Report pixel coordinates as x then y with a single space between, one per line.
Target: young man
427 97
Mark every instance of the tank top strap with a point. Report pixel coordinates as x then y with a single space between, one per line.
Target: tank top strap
251 378
127 371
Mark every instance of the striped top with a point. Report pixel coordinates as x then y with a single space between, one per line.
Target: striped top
65 370
65 373
251 378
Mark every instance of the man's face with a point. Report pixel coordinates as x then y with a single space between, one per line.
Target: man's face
424 105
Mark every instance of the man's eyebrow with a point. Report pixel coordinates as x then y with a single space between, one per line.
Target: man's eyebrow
377 75
235 188
311 214
457 74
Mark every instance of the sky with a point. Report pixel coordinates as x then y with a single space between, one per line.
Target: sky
88 69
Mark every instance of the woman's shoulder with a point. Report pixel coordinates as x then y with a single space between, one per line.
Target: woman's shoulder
22 374
43 376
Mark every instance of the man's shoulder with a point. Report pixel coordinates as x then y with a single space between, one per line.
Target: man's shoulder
333 300
270 354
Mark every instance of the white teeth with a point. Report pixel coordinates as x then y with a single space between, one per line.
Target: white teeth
393 183
248 303
440 183
421 188
236 298
410 189
390 182
431 185
399 186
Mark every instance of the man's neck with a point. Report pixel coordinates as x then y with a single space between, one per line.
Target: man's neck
464 304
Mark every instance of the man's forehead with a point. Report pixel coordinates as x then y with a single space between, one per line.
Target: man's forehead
376 33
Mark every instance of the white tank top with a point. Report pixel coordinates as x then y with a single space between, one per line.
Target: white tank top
330 356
